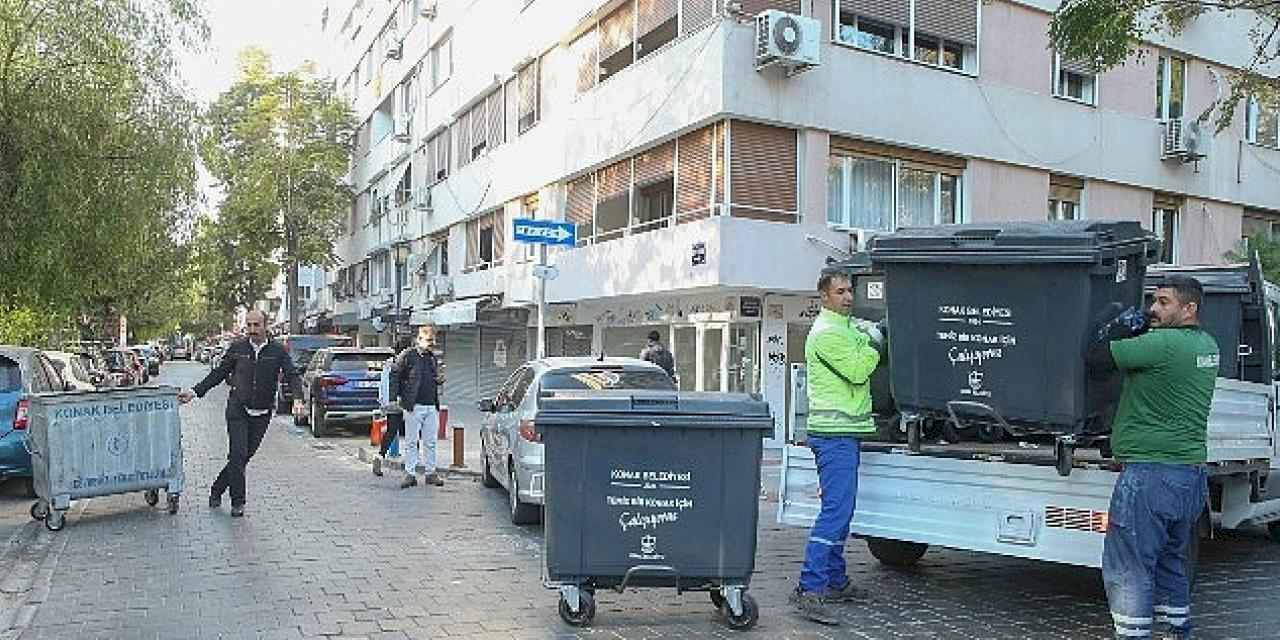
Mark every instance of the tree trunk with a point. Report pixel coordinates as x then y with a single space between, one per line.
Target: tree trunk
291 285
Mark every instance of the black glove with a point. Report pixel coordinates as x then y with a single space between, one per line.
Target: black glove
1127 324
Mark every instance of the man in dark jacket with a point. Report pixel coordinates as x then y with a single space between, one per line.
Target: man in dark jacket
418 377
656 353
251 367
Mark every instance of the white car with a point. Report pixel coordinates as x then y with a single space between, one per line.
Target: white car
511 453
72 370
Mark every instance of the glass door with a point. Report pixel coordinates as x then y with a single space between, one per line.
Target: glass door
712 362
684 346
743 364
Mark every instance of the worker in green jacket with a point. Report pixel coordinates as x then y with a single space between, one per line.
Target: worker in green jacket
839 360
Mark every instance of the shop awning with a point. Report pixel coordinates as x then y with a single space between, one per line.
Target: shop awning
449 313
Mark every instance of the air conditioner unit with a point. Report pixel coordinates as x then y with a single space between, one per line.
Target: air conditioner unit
428 12
1182 141
396 51
403 129
787 40
422 198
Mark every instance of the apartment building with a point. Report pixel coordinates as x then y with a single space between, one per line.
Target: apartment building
707 190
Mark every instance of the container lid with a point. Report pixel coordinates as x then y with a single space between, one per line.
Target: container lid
653 408
1066 241
1232 279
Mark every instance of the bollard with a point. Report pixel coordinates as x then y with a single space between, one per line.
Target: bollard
444 420
459 461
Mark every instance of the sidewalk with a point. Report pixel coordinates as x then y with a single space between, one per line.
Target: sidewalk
445 451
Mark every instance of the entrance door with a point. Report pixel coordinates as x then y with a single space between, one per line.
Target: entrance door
711 374
744 358
684 346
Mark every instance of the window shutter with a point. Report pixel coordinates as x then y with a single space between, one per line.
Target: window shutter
580 205
462 133
895 11
512 107
497 132
1167 201
479 128
697 14
651 14
946 164
429 161
720 166
763 172
1068 182
498 219
655 165
473 242
442 152
753 7
585 52
528 89
693 175
614 180
955 20
1075 66
616 30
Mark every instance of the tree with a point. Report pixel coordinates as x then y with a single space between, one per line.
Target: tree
280 144
97 156
1268 251
1109 32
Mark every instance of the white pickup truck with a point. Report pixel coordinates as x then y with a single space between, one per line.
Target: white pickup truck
1009 498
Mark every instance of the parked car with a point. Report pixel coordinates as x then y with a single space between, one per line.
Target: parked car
122 367
72 369
151 356
302 348
180 352
23 371
341 383
510 448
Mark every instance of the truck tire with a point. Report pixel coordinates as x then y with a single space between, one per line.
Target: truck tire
896 553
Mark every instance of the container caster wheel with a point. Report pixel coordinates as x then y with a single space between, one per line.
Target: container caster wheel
717 598
39 510
55 521
586 610
173 504
152 497
750 614
1064 457
913 435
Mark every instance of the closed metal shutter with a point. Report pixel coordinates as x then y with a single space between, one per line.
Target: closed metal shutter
753 7
651 14
492 374
497 130
460 360
693 175
584 50
763 172
950 164
580 205
895 11
955 20
697 14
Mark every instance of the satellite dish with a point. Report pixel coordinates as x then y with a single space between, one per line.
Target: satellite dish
786 35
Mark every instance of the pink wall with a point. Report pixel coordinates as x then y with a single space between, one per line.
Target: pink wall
1108 201
1131 88
1209 230
1006 192
1014 47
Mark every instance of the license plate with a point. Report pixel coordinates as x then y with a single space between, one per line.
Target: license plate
367 384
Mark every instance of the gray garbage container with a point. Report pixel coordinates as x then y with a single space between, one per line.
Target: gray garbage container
991 322
652 489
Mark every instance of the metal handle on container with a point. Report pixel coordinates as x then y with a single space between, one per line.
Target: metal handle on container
26 444
955 419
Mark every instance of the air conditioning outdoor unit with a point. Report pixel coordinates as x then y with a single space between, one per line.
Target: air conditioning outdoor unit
1183 141
396 51
428 11
403 130
422 198
787 40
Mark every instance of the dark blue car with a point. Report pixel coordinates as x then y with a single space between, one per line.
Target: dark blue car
23 371
341 384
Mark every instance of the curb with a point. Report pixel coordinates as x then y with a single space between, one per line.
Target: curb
367 454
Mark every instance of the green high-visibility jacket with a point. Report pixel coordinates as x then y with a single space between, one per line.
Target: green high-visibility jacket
839 386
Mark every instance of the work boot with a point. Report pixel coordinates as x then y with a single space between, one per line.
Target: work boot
812 606
237 511
848 593
410 480
434 478
377 466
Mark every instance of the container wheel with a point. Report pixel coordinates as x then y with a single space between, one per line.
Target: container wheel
55 521
173 504
914 427
1064 457
152 497
717 598
39 511
750 614
896 553
586 610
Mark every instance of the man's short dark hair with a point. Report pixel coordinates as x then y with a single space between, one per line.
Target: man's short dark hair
1186 288
829 275
655 336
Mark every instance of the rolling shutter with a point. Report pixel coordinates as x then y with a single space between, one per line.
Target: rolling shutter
651 14
894 11
585 52
497 130
955 20
494 371
442 154
655 165
693 175
616 31
580 205
1081 67
462 133
429 162
527 81
719 166
460 364
697 14
479 128
753 7
473 242
615 180
763 172
512 108
947 164
498 219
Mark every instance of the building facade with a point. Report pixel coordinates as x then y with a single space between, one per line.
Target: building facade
708 192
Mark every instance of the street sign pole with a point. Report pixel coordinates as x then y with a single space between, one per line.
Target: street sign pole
543 233
542 304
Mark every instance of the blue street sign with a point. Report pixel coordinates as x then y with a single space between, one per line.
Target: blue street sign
545 232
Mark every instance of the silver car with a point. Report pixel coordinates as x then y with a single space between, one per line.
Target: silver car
510 447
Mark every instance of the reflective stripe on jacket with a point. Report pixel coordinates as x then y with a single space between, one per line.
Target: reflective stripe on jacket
840 400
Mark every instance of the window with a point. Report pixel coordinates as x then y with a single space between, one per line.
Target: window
1259 223
304 292
484 241
884 194
1064 197
438 157
613 201
944 32
528 82
441 62
438 259
368 65
1261 126
1171 87
628 34
1074 81
656 24
1164 222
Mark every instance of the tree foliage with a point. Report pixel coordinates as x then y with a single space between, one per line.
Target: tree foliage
1110 32
279 143
97 155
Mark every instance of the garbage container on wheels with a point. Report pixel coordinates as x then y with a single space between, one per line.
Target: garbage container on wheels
652 489
98 443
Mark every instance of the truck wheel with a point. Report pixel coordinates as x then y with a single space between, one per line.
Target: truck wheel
896 553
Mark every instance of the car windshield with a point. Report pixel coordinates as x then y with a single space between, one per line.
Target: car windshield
601 379
10 375
368 360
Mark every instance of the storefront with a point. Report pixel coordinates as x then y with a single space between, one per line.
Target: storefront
480 347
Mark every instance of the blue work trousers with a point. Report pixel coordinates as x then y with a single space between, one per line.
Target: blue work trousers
824 567
1154 510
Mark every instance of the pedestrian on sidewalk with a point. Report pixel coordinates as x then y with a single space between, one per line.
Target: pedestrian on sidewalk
395 415
839 360
655 352
418 377
251 366
1159 433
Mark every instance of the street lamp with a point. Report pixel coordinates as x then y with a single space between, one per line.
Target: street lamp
401 255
